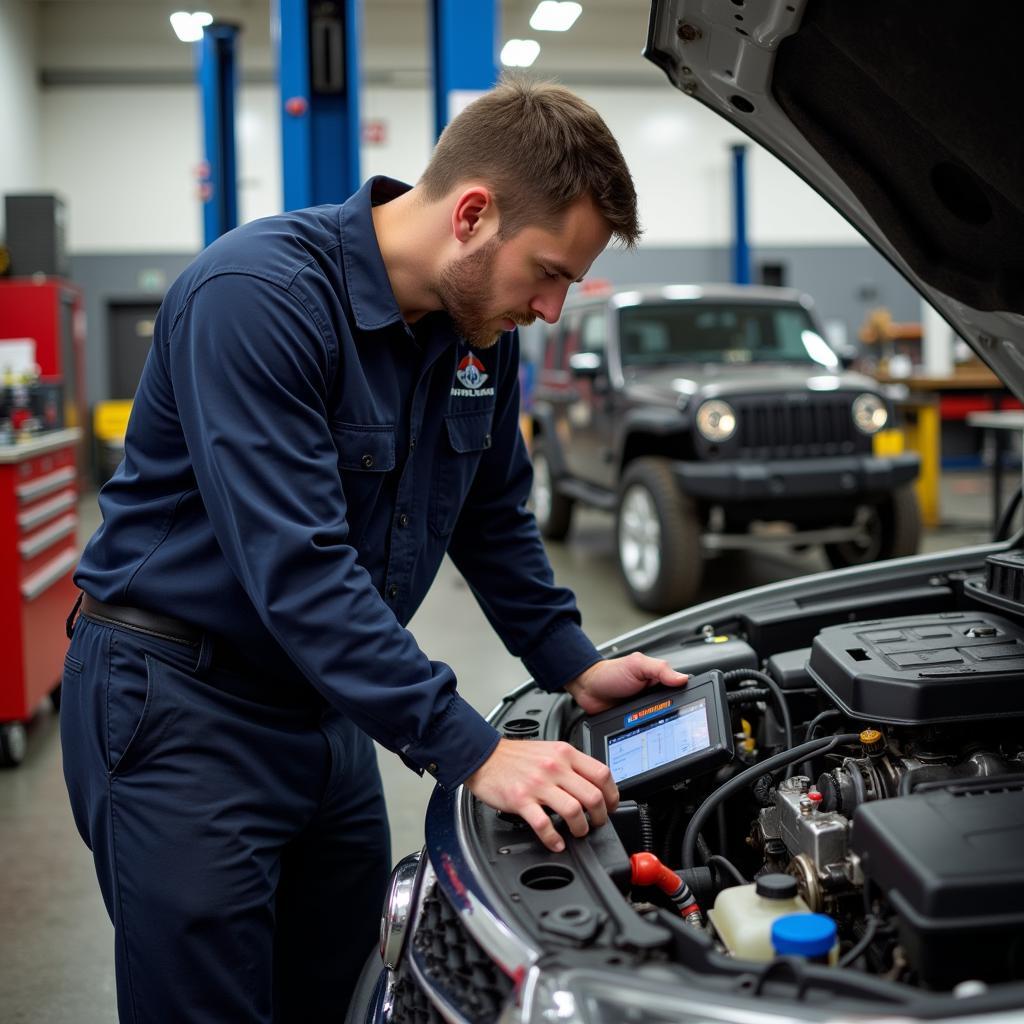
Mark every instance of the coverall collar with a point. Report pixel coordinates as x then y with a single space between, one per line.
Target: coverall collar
369 288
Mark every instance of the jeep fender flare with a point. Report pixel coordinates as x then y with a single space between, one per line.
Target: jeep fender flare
544 426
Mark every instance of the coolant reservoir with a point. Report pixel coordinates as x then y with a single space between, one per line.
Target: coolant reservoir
743 914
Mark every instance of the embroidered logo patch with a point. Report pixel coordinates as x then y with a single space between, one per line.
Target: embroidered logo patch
471 372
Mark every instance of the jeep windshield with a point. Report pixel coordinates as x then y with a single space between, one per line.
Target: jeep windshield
653 334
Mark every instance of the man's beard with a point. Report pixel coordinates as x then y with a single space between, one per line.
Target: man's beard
464 288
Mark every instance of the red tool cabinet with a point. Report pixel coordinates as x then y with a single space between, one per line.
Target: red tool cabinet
38 552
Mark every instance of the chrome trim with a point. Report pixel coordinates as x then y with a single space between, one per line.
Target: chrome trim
39 514
43 485
53 572
398 905
31 546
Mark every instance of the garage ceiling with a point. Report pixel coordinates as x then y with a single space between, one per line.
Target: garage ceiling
97 41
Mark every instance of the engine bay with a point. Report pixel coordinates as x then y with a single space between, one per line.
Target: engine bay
873 776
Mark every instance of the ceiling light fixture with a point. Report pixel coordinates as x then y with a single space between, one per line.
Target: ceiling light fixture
519 53
189 27
553 16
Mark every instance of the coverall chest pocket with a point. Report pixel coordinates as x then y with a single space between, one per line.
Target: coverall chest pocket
366 452
465 438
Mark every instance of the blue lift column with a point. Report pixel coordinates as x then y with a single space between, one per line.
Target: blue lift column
215 66
318 68
464 34
741 250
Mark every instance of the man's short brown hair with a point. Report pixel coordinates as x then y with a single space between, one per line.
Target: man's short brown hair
540 148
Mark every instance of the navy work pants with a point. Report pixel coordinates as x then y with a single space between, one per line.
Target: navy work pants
241 846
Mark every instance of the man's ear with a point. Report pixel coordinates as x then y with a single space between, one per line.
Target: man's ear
474 209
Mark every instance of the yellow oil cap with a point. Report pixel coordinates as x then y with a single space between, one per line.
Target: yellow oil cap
871 740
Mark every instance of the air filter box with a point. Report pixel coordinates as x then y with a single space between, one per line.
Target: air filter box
954 666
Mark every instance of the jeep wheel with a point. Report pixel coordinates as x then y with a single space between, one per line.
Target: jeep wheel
552 510
892 530
658 537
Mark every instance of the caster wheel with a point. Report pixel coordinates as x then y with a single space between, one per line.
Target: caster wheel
13 743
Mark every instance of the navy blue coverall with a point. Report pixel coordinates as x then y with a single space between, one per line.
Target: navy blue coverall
298 461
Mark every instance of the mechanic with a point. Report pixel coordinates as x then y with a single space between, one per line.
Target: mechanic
325 412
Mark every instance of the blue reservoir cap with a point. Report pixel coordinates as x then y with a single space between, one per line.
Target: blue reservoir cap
803 935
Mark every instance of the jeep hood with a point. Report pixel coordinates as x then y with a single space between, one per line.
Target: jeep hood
901 115
665 385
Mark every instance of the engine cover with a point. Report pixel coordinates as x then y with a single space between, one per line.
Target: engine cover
955 666
949 862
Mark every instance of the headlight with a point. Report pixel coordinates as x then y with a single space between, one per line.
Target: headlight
716 420
869 413
583 997
394 922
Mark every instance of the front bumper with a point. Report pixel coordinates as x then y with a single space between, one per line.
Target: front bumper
845 476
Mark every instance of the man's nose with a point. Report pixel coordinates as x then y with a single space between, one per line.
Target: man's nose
548 306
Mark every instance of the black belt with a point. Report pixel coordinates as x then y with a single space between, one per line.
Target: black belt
253 683
162 627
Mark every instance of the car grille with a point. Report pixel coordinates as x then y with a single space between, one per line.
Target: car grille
450 958
815 425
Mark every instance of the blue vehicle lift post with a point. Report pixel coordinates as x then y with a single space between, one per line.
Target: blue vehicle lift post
464 36
741 250
318 69
218 184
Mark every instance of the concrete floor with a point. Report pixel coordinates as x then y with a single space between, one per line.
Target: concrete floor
56 958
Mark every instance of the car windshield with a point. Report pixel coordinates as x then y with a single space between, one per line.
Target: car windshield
708 332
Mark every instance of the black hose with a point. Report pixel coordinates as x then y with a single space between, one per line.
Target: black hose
729 867
817 720
646 827
737 782
736 675
851 955
748 695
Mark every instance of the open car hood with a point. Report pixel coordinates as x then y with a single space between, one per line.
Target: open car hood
902 115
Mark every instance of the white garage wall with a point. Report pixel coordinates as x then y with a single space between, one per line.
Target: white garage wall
125 160
19 108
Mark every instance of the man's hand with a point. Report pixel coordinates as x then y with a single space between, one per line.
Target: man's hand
606 683
525 776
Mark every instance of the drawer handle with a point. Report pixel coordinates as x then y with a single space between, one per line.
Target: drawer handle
39 514
31 546
43 485
51 573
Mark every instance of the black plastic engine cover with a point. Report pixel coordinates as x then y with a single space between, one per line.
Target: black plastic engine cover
954 666
951 866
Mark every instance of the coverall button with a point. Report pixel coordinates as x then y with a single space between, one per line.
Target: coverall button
367 462
487 441
432 767
403 519
412 444
393 590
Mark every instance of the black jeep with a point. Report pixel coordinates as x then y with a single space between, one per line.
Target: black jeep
710 418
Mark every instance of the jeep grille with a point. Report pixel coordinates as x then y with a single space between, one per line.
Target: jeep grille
819 424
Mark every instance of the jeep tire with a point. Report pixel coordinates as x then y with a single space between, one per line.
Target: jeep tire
657 535
893 528
552 510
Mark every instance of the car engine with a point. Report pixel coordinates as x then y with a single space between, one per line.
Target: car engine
893 792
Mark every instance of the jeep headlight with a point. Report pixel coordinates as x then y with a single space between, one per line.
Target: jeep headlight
716 420
869 413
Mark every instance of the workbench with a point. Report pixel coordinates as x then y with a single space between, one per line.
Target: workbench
930 400
38 553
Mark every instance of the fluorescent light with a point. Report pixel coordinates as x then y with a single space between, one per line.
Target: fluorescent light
189 27
552 16
519 53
